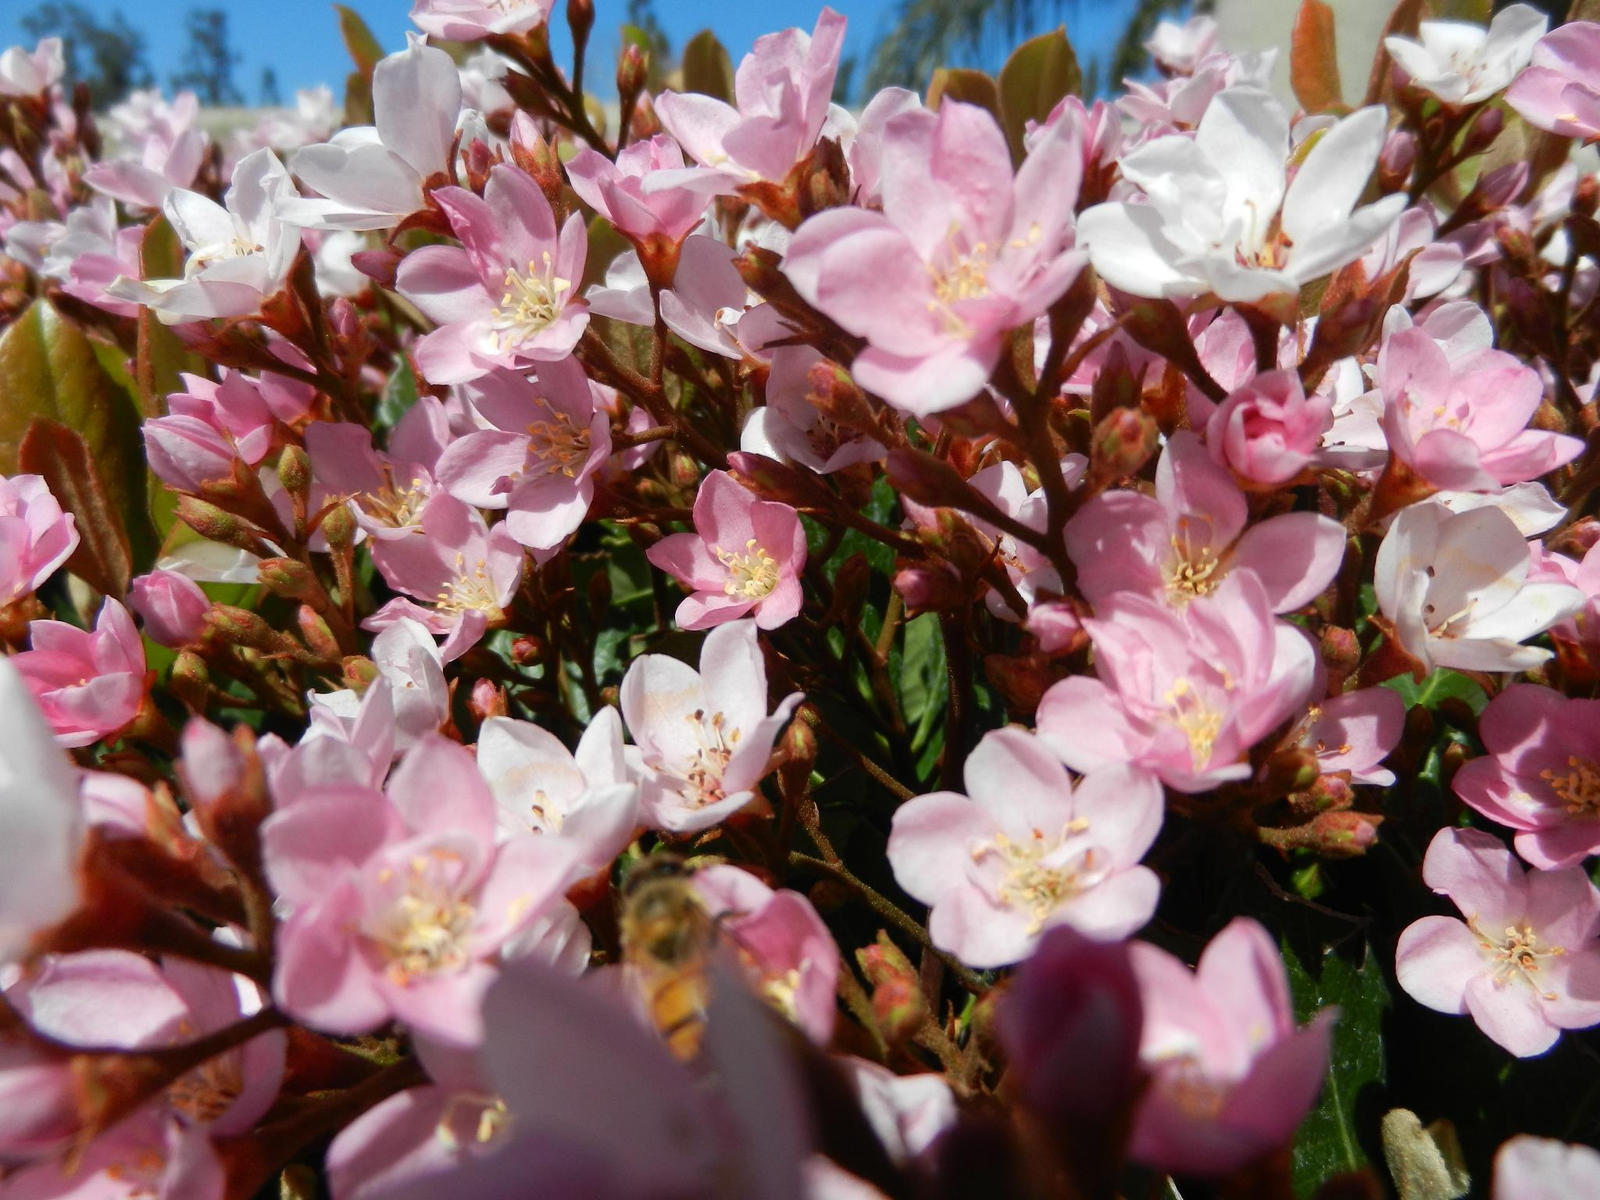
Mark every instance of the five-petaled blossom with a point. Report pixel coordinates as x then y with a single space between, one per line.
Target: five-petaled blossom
1559 91
1525 962
743 558
1463 63
1028 850
701 738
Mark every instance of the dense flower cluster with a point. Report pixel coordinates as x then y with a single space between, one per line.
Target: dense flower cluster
1108 537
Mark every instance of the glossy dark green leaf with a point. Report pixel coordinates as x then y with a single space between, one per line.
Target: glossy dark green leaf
1035 78
968 86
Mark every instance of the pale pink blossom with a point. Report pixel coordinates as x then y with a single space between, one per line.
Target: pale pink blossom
388 490
373 176
86 254
32 74
88 684
1028 850
1558 91
782 89
648 192
1461 421
1269 430
507 296
1183 542
472 20
1536 1168
398 908
252 413
1184 695
163 149
790 428
171 607
1462 63
585 796
1455 587
907 1112
239 252
1221 216
701 738
463 572
190 454
788 954
36 536
1230 1075
1541 775
1354 732
744 557
537 457
418 699
1526 961
962 253
1178 49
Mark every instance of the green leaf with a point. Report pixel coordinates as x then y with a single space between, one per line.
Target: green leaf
399 394
1329 1140
960 83
51 370
364 49
1037 75
1440 686
358 99
707 69
922 677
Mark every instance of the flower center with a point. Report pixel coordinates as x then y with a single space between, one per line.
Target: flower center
752 574
394 505
1579 787
703 779
240 245
528 303
558 445
426 928
209 1090
1032 878
1200 722
470 1117
469 591
1515 955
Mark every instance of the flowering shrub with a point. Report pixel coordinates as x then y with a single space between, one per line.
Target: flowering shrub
995 644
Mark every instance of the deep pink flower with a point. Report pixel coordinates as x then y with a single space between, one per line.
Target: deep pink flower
250 413
36 536
1182 694
743 558
1526 961
1184 542
1028 850
507 296
88 685
1541 775
538 456
782 88
962 253
172 606
701 738
1269 430
1230 1075
1558 91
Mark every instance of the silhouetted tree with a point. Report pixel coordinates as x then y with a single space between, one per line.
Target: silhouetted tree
208 60
267 94
108 57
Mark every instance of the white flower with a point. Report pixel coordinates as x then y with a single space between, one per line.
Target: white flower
1461 63
24 74
239 252
1218 216
1455 587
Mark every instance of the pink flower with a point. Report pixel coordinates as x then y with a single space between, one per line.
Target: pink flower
41 820
787 952
538 457
1230 1075
1558 91
172 607
373 176
1193 534
36 537
1461 422
744 558
399 906
1028 851
789 427
783 87
1526 961
250 413
647 192
88 685
473 20
388 491
1354 732
190 454
1541 775
962 253
584 796
25 74
1184 695
1269 430
507 296
165 149
464 572
701 739
1536 1168
1462 63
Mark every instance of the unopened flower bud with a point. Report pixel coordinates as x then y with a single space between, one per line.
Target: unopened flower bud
217 525
241 627
580 18
487 700
379 266
930 588
836 395
339 527
527 650
294 470
898 1005
633 70
1395 161
289 577
1291 769
359 673
172 607
1123 443
1485 127
190 681
317 636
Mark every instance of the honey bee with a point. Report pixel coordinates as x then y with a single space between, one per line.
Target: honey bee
668 940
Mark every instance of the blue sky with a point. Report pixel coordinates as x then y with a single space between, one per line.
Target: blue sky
299 38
